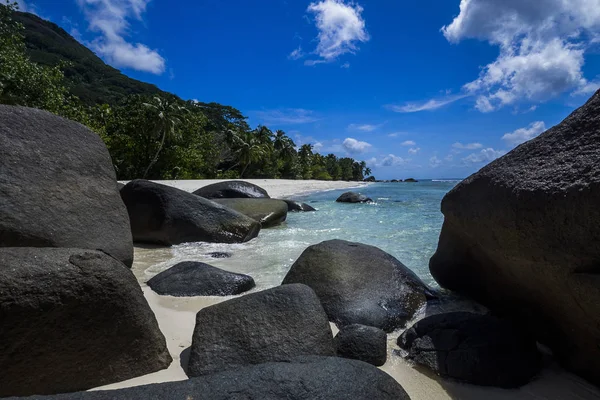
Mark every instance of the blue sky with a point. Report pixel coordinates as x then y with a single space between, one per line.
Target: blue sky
430 89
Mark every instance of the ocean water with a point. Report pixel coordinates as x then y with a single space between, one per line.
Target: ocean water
404 220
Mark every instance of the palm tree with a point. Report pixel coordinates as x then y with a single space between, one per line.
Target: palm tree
249 150
167 114
284 146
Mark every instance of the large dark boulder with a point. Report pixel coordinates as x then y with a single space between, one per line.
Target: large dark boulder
58 186
232 190
192 278
268 212
473 348
165 215
303 378
272 325
71 320
360 284
296 206
364 343
353 197
522 236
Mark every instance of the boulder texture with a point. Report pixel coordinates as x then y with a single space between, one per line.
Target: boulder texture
58 186
353 197
72 319
232 190
272 325
268 212
191 278
364 343
296 206
473 348
360 284
303 378
165 215
522 236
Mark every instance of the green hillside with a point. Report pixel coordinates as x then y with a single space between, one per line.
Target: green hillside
91 79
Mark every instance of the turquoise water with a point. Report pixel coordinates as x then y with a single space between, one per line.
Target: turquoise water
404 220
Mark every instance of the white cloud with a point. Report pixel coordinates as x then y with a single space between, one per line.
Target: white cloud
318 146
393 161
414 150
484 156
111 19
434 162
345 65
286 116
468 146
395 134
354 146
587 89
428 105
341 28
364 127
409 143
542 46
296 54
524 134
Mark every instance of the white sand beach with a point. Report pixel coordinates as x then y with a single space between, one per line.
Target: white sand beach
176 318
277 188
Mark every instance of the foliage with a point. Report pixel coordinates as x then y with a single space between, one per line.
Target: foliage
148 133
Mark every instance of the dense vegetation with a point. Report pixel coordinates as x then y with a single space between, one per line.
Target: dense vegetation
149 133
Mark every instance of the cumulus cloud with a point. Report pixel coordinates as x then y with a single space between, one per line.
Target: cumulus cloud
408 143
414 150
354 146
286 116
542 45
524 134
393 161
468 146
110 18
341 28
428 105
484 156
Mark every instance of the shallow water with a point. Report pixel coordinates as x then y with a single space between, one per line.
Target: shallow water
404 220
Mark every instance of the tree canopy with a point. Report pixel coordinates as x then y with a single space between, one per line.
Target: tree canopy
149 134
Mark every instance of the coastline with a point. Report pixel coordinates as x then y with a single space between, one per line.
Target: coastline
277 188
176 318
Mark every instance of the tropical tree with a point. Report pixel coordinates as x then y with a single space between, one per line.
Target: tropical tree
166 115
249 150
23 82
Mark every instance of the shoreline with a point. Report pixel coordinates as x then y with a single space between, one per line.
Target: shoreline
176 319
277 188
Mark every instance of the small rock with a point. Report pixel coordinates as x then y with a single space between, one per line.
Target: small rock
353 197
191 278
219 254
296 206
